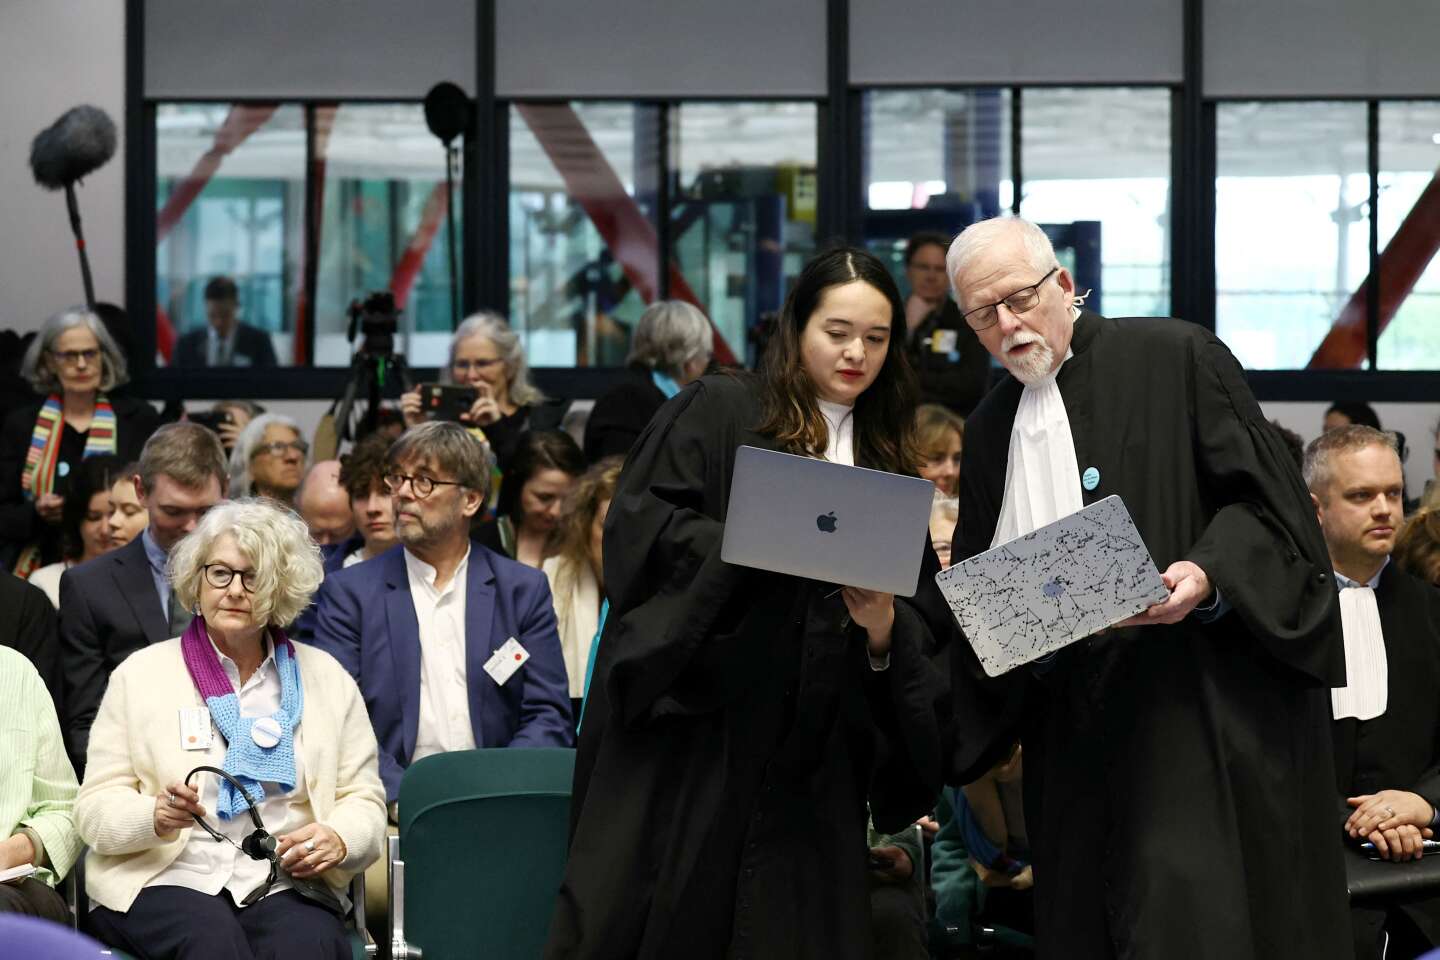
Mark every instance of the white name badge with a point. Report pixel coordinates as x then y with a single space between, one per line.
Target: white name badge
505 661
195 730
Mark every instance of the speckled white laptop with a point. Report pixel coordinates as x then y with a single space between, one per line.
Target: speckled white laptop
1027 598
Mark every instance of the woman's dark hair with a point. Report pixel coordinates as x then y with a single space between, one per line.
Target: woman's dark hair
539 450
884 413
925 238
93 475
1357 412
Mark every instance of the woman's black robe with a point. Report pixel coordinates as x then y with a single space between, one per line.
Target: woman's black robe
735 728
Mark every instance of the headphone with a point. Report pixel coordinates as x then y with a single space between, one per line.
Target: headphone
260 845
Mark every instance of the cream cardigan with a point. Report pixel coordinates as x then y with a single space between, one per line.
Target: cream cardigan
135 752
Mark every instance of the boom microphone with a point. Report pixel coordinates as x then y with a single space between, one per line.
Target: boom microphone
79 143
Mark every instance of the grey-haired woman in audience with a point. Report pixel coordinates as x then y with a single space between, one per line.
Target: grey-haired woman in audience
73 364
672 347
284 720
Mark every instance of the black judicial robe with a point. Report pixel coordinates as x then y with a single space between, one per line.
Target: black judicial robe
735 728
1400 749
1178 779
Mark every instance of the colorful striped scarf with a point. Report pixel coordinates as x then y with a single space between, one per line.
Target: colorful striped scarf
38 475
245 759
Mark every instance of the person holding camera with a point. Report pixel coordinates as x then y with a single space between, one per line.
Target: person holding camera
283 719
487 357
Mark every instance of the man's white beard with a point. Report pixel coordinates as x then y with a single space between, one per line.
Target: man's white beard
1034 365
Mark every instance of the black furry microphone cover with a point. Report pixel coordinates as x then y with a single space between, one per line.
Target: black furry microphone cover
81 141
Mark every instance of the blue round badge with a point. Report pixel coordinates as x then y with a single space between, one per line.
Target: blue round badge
1090 479
62 468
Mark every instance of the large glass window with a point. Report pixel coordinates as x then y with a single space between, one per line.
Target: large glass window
1291 228
742 221
384 227
230 192
935 160
584 251
231 189
1095 172
1409 210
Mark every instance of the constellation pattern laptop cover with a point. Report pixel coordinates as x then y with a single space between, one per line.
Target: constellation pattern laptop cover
1023 600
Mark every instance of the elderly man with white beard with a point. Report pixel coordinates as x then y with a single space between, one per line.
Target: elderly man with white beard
1178 769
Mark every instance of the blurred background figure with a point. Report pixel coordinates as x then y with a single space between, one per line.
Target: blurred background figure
1346 413
73 364
577 574
1417 546
953 367
671 347
940 435
362 474
268 459
128 517
236 414
544 469
1293 442
324 504
84 521
944 515
225 341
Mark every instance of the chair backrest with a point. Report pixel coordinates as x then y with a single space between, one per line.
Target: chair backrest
484 835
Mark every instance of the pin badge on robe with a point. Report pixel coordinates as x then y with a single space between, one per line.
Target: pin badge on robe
265 731
1090 479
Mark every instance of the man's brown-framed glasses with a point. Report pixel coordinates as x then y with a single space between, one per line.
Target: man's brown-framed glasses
1021 301
422 486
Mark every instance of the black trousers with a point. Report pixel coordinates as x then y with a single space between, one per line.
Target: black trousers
34 899
897 920
177 923
1390 934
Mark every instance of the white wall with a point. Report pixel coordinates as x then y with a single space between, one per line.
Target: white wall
58 54
1415 420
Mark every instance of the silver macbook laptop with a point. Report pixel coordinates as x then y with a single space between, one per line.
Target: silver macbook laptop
1038 593
849 526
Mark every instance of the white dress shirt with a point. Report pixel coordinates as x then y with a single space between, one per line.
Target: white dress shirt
840 448
1042 477
444 723
839 432
206 865
1367 671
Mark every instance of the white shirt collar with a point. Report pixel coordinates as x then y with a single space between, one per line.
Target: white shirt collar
839 432
232 669
422 572
1342 581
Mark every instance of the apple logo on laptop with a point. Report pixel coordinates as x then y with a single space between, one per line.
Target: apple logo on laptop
826 522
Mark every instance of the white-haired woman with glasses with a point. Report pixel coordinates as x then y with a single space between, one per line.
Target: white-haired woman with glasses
486 355
268 459
73 364
283 719
672 346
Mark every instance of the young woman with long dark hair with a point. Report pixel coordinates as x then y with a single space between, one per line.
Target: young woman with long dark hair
739 721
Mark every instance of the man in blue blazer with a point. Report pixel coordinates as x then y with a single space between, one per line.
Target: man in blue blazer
453 645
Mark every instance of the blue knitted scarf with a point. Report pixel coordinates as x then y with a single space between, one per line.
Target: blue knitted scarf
245 759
